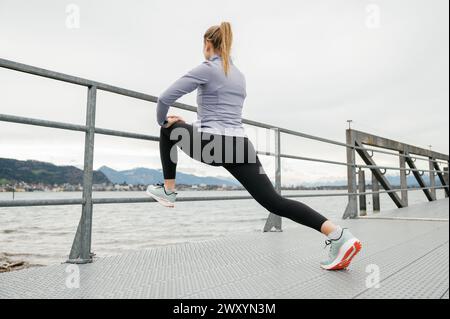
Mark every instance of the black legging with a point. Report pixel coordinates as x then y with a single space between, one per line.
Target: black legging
244 166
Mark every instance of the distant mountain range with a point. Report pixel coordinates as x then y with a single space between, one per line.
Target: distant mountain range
35 172
146 176
32 171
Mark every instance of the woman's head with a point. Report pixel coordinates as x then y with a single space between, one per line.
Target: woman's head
218 40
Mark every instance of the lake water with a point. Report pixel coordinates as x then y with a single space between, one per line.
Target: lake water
43 235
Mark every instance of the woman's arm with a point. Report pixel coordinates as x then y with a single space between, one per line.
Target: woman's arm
184 85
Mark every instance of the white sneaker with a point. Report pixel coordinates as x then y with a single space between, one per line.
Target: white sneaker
342 251
159 193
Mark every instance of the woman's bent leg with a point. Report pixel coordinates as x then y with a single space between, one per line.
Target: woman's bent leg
169 165
184 136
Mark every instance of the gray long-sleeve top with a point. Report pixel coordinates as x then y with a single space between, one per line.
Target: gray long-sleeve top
220 98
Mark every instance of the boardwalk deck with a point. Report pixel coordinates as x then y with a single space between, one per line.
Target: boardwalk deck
409 247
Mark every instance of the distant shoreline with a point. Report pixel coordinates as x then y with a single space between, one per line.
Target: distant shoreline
137 188
133 188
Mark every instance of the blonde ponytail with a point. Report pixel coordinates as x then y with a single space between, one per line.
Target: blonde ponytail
221 38
227 40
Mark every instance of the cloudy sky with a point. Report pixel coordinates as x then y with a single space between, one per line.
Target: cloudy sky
310 66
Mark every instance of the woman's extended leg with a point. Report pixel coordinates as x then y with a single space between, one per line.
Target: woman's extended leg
343 245
253 178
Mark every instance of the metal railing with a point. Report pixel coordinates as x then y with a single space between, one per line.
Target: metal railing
81 247
405 154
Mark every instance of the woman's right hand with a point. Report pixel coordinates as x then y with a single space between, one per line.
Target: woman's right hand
172 119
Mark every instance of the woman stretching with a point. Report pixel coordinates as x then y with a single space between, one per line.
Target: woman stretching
218 138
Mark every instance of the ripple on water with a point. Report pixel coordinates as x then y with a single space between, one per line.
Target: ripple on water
9 231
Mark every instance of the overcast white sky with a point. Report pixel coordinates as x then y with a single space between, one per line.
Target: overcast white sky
310 66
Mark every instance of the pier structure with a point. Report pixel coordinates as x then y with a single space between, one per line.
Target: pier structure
406 249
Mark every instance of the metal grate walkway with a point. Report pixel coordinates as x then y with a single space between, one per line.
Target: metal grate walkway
412 257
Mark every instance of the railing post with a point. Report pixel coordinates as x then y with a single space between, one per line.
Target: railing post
81 247
352 207
404 179
375 194
362 190
446 179
274 221
432 174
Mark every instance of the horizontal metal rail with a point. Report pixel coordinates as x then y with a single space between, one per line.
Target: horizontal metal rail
349 164
369 149
40 202
399 190
74 127
137 200
414 158
42 123
395 168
